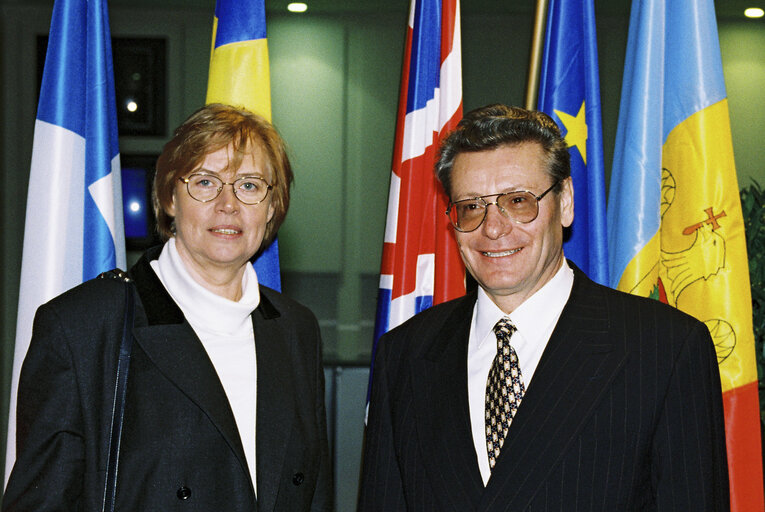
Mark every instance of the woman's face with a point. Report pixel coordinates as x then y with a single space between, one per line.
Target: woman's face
224 233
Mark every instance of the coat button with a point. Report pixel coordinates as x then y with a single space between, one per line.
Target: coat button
183 493
298 478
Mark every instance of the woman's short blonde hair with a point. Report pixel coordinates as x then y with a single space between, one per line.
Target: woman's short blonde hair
207 130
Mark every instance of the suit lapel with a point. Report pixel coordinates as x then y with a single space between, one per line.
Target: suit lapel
439 382
574 373
276 394
169 341
177 352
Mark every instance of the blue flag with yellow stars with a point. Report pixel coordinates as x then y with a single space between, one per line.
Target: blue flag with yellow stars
569 92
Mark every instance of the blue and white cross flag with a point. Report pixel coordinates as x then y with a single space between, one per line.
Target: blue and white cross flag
74 228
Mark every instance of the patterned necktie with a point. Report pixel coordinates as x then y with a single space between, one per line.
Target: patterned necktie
504 390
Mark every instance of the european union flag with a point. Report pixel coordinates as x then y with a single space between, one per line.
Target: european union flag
569 92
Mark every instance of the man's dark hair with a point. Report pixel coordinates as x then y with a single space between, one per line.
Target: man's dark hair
497 125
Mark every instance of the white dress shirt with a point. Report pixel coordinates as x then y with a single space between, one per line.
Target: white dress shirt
225 329
535 320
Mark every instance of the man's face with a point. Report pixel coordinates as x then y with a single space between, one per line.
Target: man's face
509 260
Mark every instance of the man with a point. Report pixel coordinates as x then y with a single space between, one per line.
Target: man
541 390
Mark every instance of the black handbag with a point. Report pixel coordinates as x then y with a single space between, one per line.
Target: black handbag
120 390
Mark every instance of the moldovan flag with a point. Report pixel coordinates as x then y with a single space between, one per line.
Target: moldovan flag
421 265
73 229
569 92
239 76
675 226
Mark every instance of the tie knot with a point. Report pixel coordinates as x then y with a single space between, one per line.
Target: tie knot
504 329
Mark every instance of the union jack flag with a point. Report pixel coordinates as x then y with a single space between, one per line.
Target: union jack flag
420 261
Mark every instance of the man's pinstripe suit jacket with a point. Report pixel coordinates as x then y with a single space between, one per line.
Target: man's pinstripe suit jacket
624 413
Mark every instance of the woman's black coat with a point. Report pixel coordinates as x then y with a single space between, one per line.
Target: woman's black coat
180 449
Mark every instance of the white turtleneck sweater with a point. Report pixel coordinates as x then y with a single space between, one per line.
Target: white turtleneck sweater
225 329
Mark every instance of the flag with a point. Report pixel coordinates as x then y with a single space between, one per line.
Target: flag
569 92
73 229
239 76
675 226
420 261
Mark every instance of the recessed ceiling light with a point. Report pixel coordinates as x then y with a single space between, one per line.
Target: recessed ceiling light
297 7
754 12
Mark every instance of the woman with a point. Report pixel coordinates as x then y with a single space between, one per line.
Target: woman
225 393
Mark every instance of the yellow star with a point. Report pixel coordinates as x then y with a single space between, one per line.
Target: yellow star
576 131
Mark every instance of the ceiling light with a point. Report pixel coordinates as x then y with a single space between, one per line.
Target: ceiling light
754 12
297 7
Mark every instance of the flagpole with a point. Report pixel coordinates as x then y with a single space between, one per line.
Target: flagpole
535 60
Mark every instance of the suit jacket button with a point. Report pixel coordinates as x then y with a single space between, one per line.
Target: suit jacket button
298 478
183 493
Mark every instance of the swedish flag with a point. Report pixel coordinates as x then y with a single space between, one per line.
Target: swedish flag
239 76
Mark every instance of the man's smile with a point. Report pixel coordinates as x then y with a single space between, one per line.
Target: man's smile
491 254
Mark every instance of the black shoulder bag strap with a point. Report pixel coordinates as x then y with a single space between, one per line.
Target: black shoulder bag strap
120 391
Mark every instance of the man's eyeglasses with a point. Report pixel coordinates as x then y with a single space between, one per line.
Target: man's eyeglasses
206 187
520 206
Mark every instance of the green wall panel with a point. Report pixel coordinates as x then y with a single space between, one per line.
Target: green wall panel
307 86
743 47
